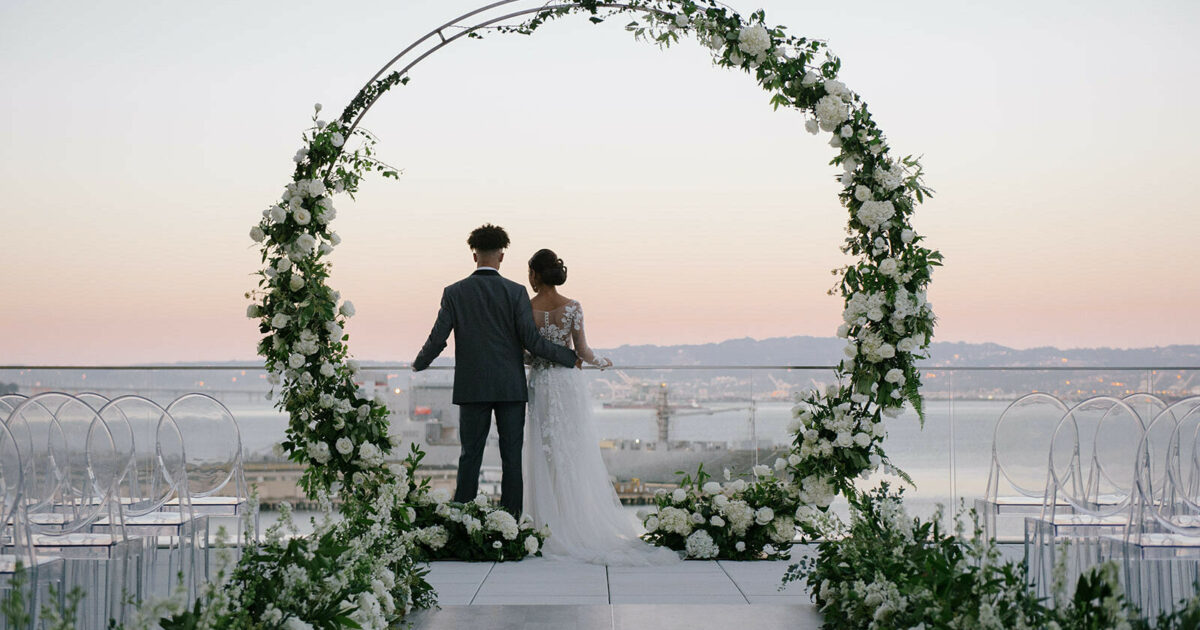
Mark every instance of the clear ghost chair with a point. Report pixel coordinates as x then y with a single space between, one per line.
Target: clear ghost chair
154 475
72 471
1017 476
1096 488
8 402
1161 546
216 478
18 554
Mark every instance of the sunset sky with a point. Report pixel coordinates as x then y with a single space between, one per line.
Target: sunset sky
142 140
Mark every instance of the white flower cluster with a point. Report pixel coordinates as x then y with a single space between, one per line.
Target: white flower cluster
675 521
700 545
874 214
754 41
503 523
434 536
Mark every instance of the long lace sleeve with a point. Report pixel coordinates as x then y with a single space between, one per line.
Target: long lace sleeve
580 341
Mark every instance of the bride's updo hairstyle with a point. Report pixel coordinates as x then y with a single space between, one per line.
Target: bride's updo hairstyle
549 268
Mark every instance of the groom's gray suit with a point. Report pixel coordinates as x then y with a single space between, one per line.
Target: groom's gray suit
492 323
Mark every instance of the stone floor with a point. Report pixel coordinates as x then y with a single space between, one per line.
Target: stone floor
542 593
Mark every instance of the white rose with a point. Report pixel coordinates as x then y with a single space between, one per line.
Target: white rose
481 501
283 266
712 487
679 495
862 439
347 308
257 234
306 243
761 470
277 214
296 361
906 236
301 216
887 351
862 193
838 89
812 126
334 329
334 239
846 131
780 464
889 267
717 521
337 139
740 546
317 107
810 78
325 249
344 446
835 142
327 369
531 545
794 459
301 155
764 515
681 20
652 524
895 375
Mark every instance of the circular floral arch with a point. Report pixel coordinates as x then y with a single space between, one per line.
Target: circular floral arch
341 434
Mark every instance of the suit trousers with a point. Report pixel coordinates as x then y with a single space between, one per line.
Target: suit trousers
474 421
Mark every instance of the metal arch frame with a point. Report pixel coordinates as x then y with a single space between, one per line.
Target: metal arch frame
460 22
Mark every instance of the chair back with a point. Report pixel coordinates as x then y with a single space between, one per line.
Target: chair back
1019 440
136 423
213 443
14 523
1099 481
8 402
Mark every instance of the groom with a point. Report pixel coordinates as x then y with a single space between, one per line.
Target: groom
492 323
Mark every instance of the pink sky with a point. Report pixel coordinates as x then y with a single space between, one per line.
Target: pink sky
141 145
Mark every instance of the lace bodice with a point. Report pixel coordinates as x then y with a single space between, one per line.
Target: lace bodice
564 326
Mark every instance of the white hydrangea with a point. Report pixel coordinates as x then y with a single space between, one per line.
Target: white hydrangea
700 545
504 523
783 530
832 112
873 214
435 537
754 40
675 521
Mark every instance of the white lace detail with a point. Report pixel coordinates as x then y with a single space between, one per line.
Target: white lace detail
567 485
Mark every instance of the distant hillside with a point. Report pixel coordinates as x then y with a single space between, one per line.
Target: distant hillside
828 350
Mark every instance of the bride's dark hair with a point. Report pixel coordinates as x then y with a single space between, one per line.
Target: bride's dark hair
548 267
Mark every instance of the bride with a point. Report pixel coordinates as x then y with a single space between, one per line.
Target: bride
567 485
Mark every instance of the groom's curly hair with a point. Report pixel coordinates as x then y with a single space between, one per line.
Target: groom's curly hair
488 238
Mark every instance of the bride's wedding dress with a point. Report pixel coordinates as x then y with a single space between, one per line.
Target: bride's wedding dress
567 485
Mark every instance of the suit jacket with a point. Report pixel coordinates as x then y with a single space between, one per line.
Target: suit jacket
492 323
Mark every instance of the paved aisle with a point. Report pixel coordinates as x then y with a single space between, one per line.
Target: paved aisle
539 593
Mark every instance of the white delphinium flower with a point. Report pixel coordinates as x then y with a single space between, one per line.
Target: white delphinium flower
344 445
832 111
700 545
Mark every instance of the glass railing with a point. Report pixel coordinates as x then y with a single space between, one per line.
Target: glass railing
652 420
